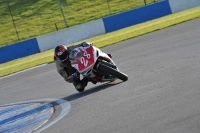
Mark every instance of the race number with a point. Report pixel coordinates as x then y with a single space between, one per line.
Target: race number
86 54
84 58
84 62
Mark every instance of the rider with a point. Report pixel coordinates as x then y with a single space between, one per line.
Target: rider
64 68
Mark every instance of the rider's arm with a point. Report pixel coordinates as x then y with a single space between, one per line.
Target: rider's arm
61 71
69 77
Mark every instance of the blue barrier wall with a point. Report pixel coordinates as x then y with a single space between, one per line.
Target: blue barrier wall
111 23
18 50
136 16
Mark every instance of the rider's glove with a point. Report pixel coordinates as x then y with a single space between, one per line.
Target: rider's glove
72 78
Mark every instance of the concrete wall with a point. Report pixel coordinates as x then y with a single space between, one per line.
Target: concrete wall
71 35
18 50
136 16
180 5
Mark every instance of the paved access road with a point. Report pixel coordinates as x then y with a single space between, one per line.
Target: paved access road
162 94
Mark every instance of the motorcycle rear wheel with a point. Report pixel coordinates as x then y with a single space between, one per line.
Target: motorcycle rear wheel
113 72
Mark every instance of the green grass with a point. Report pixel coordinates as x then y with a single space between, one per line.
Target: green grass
36 17
104 40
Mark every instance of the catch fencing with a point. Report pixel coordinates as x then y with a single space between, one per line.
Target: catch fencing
23 19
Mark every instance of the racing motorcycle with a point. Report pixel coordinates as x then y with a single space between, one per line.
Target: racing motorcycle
94 64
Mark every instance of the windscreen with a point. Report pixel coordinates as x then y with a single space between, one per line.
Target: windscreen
75 55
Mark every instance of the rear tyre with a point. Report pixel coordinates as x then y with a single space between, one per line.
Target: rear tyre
113 72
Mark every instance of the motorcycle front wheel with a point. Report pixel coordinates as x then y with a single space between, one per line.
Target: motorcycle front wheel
113 72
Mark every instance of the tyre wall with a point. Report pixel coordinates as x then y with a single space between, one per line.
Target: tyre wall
18 50
136 16
71 35
180 5
94 28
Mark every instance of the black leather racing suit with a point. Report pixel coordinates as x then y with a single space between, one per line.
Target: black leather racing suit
66 70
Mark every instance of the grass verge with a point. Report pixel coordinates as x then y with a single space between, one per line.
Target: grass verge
23 19
104 40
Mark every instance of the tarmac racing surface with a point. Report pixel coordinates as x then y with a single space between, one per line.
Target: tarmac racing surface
161 95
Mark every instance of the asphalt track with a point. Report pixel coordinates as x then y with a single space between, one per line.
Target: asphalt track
161 95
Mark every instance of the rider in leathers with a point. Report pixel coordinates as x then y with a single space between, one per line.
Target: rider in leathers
64 68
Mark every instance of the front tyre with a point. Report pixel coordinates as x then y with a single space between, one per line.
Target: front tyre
113 72
80 90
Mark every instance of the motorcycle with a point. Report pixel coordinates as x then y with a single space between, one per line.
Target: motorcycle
94 64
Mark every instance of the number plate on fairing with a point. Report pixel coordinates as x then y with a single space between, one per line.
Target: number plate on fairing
86 60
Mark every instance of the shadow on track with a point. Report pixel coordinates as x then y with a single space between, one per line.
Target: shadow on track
90 91
85 93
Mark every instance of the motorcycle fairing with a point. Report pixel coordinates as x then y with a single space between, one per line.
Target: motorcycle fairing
86 60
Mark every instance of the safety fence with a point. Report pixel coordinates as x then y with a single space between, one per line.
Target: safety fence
23 19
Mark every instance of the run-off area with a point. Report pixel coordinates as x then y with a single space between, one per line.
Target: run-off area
24 117
32 116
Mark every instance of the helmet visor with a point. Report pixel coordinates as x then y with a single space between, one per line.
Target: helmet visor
63 56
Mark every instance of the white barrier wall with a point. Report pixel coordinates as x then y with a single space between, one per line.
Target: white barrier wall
180 5
71 35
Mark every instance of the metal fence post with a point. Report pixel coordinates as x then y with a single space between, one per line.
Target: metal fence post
108 6
13 21
60 6
145 2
